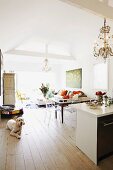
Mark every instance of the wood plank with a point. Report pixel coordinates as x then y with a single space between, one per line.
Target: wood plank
20 162
45 147
3 149
10 162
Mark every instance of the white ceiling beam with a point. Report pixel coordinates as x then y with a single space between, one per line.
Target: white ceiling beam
100 7
41 55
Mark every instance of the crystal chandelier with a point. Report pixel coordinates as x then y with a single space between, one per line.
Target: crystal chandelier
102 48
46 66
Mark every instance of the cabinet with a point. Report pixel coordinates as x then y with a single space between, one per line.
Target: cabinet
105 136
94 131
9 88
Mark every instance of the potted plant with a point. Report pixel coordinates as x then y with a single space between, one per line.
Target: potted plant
44 89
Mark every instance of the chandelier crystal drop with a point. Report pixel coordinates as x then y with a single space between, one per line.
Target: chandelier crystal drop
103 47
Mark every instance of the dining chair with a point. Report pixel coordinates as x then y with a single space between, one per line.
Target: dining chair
50 110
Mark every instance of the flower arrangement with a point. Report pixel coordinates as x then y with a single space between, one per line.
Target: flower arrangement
44 89
99 93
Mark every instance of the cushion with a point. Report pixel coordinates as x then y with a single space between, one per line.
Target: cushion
63 92
66 97
75 97
75 92
80 93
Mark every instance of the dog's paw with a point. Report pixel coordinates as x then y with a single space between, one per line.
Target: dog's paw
18 137
6 127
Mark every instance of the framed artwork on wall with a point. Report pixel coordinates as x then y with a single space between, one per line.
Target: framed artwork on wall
74 78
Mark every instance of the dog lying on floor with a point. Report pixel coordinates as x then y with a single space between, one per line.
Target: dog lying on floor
15 126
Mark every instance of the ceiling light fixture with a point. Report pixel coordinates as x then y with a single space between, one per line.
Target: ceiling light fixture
46 66
102 48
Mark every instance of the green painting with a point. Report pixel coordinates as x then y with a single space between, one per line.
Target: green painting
74 78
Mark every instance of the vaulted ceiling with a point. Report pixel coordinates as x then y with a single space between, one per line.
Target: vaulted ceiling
103 8
68 26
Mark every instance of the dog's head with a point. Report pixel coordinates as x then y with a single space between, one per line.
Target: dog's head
20 121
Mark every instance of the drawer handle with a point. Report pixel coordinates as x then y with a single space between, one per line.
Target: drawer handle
108 124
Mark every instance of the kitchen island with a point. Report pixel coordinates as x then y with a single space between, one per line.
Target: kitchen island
94 131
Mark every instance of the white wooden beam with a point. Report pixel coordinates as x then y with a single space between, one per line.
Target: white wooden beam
99 7
38 54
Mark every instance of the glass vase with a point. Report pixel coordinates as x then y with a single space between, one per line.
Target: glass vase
100 98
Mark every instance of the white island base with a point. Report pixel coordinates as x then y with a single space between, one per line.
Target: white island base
94 131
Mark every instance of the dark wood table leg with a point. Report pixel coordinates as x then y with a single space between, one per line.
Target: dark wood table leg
56 111
62 113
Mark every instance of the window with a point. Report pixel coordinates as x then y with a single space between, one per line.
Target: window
101 76
30 82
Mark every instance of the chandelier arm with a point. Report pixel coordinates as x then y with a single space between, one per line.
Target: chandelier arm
103 50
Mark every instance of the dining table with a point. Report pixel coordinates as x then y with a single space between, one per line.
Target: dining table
65 102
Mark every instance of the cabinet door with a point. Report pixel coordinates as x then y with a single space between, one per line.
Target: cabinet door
9 99
9 88
105 136
9 82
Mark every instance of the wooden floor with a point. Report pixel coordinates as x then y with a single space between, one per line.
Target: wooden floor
46 144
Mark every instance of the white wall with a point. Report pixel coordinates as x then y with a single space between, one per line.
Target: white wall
13 63
87 65
87 72
1 97
110 92
84 61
